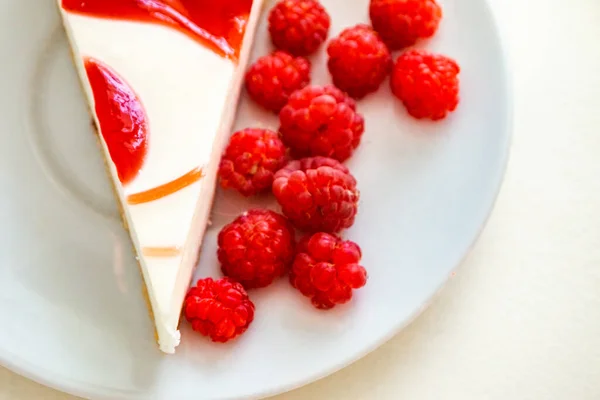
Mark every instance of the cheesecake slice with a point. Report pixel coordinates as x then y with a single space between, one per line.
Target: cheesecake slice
162 78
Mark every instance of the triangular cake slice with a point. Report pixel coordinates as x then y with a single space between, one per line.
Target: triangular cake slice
162 78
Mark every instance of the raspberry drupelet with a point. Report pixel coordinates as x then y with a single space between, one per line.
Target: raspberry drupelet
317 194
273 78
426 83
256 248
401 23
358 61
321 121
298 26
250 160
326 269
219 309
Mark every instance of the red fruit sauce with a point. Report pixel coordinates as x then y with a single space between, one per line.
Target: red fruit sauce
217 24
122 118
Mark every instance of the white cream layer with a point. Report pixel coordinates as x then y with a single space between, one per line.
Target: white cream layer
190 96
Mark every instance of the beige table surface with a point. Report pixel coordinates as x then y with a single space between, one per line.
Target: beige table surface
521 320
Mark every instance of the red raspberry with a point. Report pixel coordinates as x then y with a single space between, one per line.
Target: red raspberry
402 22
317 194
321 121
358 61
219 309
256 248
298 26
250 160
326 269
426 83
273 78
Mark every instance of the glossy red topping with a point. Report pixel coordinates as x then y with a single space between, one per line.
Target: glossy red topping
122 118
217 24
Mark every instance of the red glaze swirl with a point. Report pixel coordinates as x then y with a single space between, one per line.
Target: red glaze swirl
217 24
122 118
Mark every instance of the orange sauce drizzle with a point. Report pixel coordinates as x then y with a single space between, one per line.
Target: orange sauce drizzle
166 189
161 251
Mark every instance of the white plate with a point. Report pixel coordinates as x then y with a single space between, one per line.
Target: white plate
71 307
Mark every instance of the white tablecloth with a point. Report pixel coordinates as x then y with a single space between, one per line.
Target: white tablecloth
521 320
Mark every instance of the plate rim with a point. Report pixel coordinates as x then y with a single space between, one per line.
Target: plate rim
12 363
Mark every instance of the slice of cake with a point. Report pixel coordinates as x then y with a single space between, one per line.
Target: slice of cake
162 78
